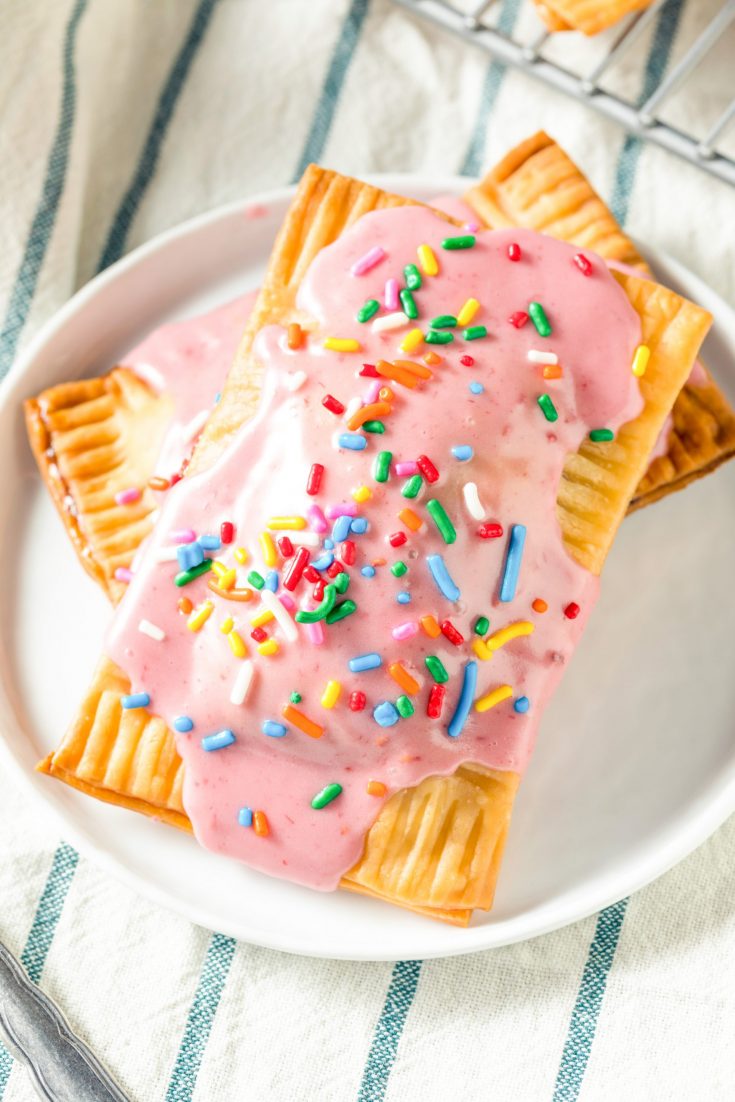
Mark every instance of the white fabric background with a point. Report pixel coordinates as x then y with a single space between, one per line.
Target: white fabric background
530 1022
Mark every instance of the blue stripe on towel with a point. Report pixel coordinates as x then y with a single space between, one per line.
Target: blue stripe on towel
388 1031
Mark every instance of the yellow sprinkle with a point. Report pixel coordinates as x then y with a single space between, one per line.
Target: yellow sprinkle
263 617
218 568
640 360
237 644
228 580
330 696
412 340
241 555
342 344
362 493
427 260
482 652
286 524
227 625
269 648
268 549
468 311
491 699
200 616
499 638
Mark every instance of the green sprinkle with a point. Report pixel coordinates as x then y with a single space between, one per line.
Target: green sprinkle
475 332
439 336
399 569
481 625
342 582
436 668
412 486
444 321
441 520
410 309
374 426
413 277
328 793
404 707
295 698
600 435
538 317
304 616
369 310
466 241
381 470
187 576
340 611
256 580
547 407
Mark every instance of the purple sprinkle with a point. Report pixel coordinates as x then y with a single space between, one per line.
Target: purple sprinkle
405 631
406 468
345 510
473 227
183 535
368 261
127 497
122 574
317 520
391 294
316 632
373 392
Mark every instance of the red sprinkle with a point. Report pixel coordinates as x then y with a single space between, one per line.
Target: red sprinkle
296 568
490 531
175 477
318 590
332 404
259 635
514 251
435 702
572 610
335 569
583 264
285 546
368 370
518 319
449 630
397 539
311 574
357 701
427 468
227 531
467 361
348 550
314 481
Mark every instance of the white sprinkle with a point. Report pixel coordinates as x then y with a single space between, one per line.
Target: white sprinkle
149 374
243 681
295 380
308 539
472 501
284 621
196 425
537 357
389 321
165 554
352 406
150 629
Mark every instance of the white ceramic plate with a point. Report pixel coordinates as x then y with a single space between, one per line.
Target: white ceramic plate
636 760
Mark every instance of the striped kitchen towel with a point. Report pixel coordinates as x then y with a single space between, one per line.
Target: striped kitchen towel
120 119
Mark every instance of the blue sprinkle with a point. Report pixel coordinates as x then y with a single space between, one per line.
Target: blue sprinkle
135 700
328 544
217 397
341 529
219 740
353 441
367 571
522 704
466 696
324 561
512 566
462 452
271 580
359 526
477 388
183 724
385 714
210 543
362 662
273 729
190 555
404 597
245 817
442 577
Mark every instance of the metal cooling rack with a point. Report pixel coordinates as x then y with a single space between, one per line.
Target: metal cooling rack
641 118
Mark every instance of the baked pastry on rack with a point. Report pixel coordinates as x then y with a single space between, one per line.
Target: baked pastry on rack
588 16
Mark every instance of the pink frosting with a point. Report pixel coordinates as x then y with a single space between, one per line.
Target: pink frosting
516 465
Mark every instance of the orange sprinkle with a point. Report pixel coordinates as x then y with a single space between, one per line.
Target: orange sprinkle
294 335
261 824
184 605
233 594
414 368
402 677
368 413
376 788
386 394
158 483
553 371
539 605
410 519
308 726
433 359
398 374
381 740
430 626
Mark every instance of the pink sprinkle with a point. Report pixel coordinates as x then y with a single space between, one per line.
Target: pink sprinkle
367 262
409 466
343 510
255 210
473 227
317 519
373 392
405 631
122 574
183 535
391 294
316 633
288 602
127 497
